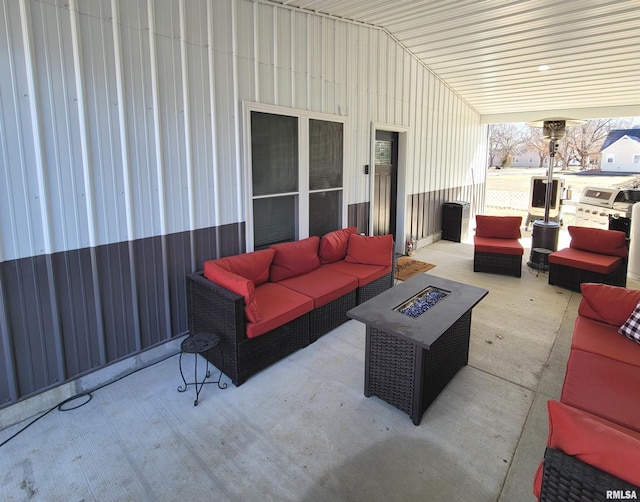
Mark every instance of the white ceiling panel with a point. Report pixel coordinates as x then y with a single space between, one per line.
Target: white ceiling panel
489 51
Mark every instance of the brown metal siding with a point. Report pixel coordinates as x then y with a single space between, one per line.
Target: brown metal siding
67 314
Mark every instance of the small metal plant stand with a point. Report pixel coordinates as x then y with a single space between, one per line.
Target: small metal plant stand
197 344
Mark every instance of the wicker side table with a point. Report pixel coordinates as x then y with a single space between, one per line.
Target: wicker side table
198 344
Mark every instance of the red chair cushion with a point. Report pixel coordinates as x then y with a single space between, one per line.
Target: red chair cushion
585 260
499 227
322 284
236 283
498 246
594 442
294 258
333 246
278 306
610 304
253 266
598 240
370 250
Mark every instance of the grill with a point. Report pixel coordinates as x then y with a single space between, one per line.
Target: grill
597 205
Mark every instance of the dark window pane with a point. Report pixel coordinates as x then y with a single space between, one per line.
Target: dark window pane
274 220
274 153
325 154
325 212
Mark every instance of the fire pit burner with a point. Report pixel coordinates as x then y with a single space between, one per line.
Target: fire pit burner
419 303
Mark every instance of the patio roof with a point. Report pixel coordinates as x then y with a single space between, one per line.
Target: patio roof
303 430
490 52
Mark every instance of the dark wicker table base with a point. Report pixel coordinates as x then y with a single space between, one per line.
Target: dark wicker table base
410 377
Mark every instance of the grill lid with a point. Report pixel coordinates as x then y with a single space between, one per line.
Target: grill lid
603 197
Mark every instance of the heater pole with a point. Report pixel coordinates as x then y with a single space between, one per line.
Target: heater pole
549 191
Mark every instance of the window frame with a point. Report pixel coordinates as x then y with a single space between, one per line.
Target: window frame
302 195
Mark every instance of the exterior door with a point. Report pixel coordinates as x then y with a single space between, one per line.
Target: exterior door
386 176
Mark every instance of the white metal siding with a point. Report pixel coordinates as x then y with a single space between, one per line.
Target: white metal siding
122 120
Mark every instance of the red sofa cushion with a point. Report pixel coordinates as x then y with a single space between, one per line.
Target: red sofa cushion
294 258
333 246
605 387
278 306
236 283
253 266
598 240
590 440
585 260
364 273
499 227
322 284
370 250
498 246
603 339
610 304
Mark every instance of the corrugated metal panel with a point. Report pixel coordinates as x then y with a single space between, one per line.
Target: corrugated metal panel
122 157
489 52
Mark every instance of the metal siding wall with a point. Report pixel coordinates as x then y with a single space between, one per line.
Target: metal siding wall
122 160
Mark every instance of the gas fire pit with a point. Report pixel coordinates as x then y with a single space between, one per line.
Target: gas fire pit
423 301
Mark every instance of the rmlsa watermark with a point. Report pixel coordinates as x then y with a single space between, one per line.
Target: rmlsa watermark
621 495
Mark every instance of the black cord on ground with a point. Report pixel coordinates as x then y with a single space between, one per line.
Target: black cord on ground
60 406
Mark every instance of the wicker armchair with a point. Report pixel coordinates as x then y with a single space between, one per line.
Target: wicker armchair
496 246
594 255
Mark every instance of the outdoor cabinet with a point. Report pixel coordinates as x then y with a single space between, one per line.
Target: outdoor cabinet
455 220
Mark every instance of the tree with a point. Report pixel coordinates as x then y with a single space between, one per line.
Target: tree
579 142
585 139
534 141
505 141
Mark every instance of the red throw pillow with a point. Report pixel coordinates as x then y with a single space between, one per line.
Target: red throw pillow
239 285
598 240
370 250
610 304
577 434
253 266
498 227
294 258
333 246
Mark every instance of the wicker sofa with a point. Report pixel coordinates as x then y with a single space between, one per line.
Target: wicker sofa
593 255
269 303
496 245
594 430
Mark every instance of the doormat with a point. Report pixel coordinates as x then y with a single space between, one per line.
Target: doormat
408 267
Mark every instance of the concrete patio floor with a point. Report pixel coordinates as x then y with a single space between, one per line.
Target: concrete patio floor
302 430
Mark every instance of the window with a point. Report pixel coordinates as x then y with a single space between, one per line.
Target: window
610 158
296 176
636 158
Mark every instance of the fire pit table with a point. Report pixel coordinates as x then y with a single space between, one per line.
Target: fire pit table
417 340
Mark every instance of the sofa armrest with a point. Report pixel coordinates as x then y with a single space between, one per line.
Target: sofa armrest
567 478
213 308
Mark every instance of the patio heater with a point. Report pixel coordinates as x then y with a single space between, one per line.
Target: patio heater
544 233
